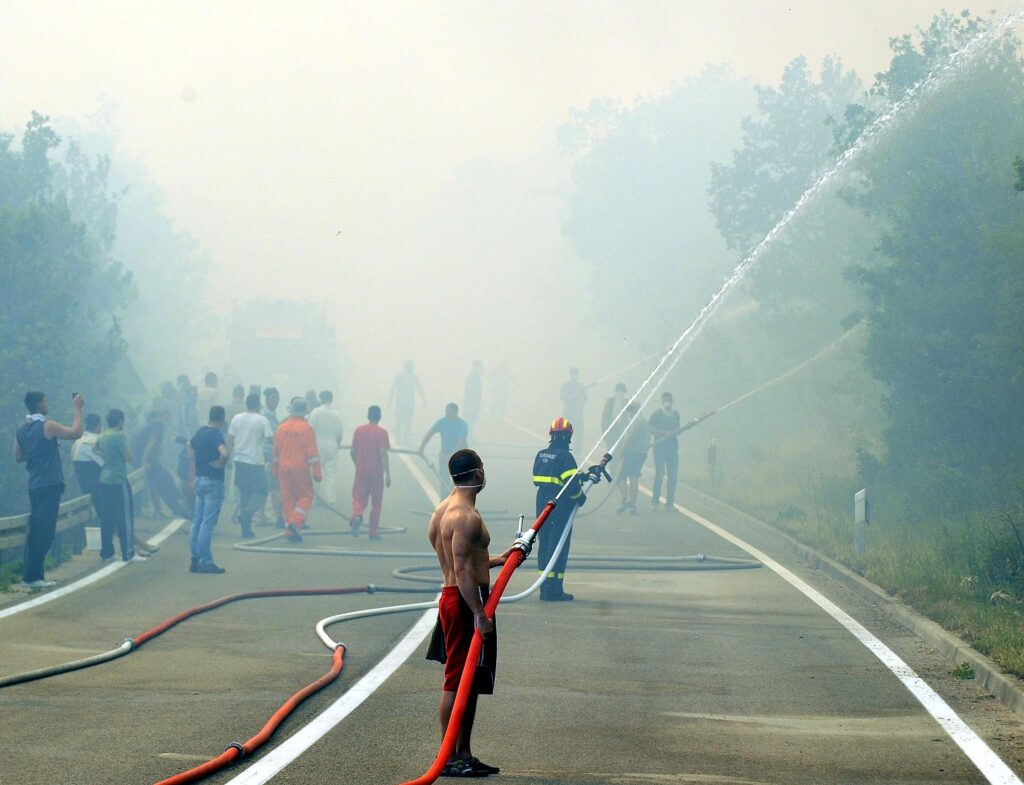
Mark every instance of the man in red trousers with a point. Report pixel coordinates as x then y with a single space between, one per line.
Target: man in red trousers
370 445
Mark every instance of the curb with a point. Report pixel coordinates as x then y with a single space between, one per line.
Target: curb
1007 689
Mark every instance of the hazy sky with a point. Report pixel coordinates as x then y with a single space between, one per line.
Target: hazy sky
423 132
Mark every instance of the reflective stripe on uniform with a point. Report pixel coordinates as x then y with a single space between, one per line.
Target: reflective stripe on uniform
567 474
540 478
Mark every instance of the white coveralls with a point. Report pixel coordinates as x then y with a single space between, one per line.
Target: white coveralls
326 423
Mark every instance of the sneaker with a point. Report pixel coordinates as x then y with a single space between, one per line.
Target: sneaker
209 569
357 521
136 558
655 507
107 559
376 537
483 766
623 507
193 564
462 768
292 534
248 535
40 584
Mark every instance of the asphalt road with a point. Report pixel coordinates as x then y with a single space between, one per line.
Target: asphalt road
649 677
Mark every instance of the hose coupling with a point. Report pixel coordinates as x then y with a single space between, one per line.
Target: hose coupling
130 642
371 588
524 542
236 745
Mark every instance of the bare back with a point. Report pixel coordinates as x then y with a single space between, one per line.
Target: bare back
460 540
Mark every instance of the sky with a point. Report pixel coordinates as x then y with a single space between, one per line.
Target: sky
397 160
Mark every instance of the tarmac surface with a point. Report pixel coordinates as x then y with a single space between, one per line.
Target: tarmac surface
729 677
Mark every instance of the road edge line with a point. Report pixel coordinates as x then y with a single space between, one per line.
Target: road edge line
1007 689
988 763
89 579
284 754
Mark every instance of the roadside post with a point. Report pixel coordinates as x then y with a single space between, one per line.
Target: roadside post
860 519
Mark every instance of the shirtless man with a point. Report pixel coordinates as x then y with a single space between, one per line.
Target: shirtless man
460 539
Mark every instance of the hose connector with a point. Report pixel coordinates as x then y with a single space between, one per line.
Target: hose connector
524 542
371 588
130 642
237 746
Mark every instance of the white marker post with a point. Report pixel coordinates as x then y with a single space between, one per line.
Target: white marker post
860 519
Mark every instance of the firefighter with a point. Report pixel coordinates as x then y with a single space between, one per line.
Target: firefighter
553 468
296 465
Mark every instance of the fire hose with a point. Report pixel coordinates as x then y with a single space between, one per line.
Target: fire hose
237 750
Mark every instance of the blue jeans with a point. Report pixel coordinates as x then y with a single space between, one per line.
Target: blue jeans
666 466
209 498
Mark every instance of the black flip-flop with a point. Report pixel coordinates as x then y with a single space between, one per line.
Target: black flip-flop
462 768
483 766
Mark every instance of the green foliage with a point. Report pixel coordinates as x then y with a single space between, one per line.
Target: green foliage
60 286
786 146
946 300
638 211
963 671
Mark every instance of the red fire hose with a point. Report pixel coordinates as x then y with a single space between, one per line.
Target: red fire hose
236 751
465 683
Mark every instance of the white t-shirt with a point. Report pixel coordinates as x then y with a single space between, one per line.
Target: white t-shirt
326 423
249 430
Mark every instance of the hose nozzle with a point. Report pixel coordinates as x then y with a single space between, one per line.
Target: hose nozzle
599 470
524 541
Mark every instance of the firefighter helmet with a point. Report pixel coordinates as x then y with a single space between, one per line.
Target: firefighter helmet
560 426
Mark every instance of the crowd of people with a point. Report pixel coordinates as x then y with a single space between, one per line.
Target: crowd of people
197 446
277 462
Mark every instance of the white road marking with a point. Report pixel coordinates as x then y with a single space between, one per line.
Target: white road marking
980 754
271 763
282 755
89 579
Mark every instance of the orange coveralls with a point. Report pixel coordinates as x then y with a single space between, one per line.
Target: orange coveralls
295 456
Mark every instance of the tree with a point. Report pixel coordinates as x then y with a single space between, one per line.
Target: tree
637 205
787 144
60 287
946 305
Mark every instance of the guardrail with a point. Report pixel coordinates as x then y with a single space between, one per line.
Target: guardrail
74 512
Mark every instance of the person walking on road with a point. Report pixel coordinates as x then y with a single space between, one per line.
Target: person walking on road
370 445
326 423
634 447
147 453
574 399
210 453
404 390
117 509
87 462
295 458
665 430
247 433
460 539
35 445
553 469
271 399
612 407
453 431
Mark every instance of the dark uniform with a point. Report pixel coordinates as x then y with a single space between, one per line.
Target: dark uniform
553 467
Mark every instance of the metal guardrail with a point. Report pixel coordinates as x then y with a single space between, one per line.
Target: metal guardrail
73 512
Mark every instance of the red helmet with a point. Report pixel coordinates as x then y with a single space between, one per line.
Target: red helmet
560 426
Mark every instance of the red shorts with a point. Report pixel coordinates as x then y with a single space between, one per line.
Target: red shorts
456 625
